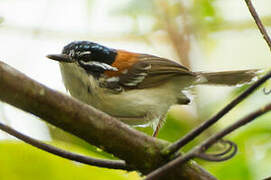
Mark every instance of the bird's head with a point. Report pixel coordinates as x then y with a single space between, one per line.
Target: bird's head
92 57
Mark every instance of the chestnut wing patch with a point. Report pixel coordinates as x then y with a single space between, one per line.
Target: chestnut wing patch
151 71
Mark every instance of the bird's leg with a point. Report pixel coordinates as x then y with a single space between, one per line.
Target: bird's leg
158 126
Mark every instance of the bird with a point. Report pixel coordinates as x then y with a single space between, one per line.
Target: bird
136 88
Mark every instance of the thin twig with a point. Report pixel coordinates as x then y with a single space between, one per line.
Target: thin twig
258 22
228 154
202 127
65 154
227 150
199 151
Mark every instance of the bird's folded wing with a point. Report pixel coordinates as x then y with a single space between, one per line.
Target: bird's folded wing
151 71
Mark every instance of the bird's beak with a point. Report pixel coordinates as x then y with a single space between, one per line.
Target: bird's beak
60 58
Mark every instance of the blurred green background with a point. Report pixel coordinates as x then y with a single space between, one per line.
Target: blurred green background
204 35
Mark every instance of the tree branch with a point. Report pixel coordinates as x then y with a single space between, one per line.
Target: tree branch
140 152
65 154
199 151
258 22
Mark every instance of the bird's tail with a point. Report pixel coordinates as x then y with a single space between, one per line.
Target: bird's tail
228 78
